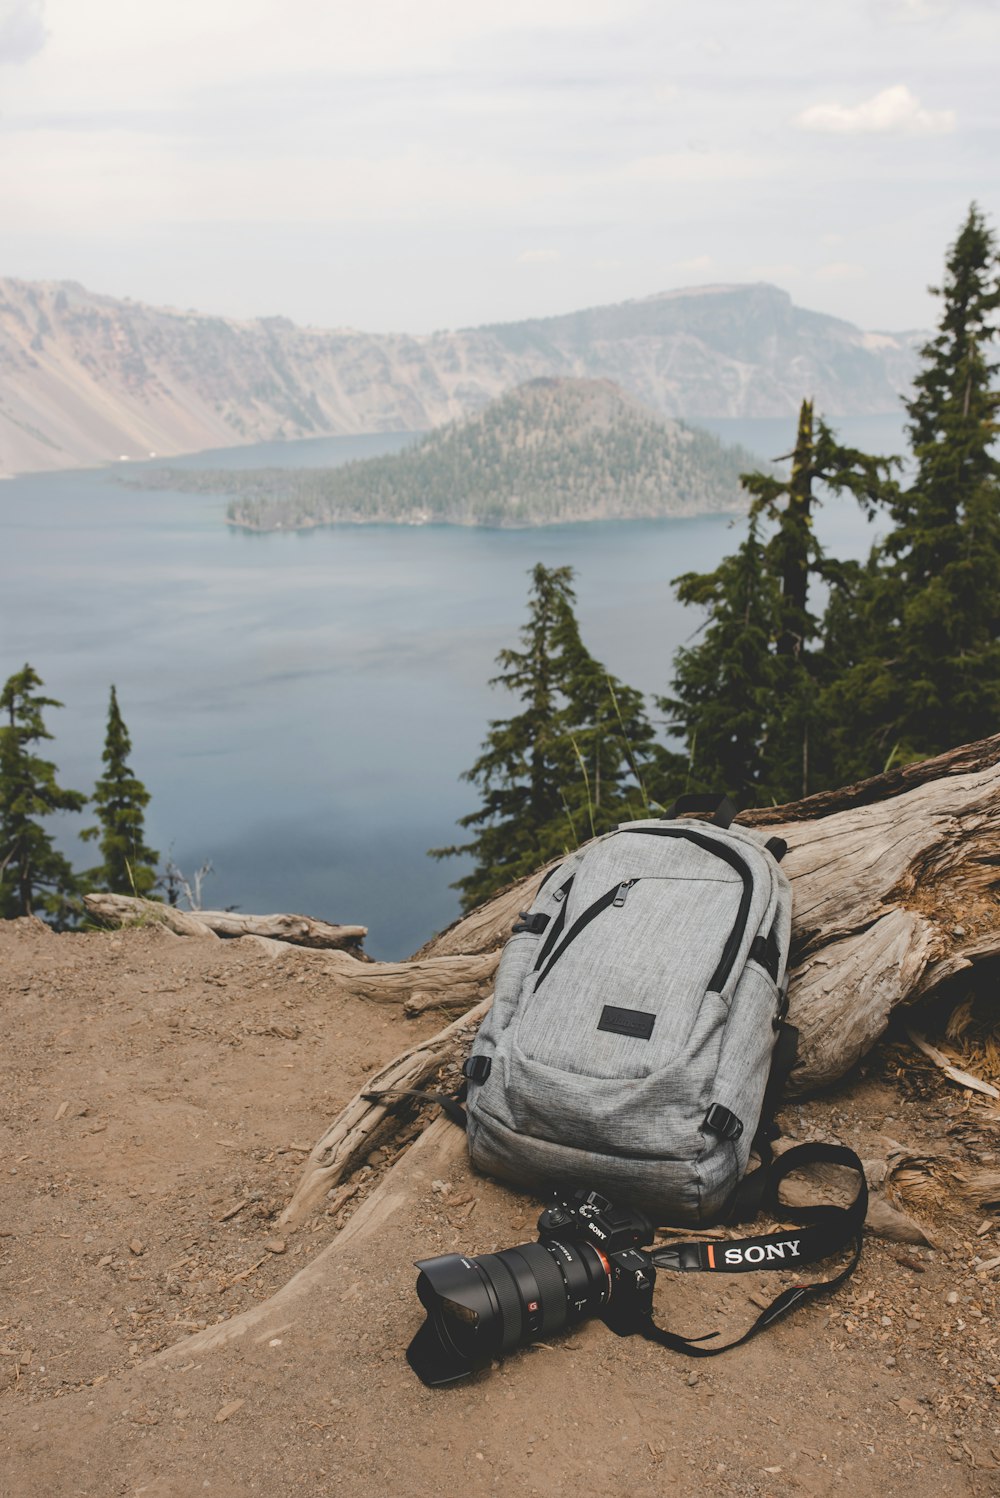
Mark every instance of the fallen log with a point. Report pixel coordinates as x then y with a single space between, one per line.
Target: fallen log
445 983
439 1149
895 891
298 930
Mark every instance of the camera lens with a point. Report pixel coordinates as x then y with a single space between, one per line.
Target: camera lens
479 1308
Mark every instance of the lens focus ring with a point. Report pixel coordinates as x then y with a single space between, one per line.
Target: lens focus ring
505 1287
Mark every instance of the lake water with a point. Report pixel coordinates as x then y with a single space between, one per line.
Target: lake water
302 705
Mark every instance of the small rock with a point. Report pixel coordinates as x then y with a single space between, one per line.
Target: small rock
103 1263
229 1409
952 1298
137 1247
275 1245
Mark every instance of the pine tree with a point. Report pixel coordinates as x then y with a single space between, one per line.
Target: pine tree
747 699
944 554
922 669
32 872
129 866
724 687
604 725
560 769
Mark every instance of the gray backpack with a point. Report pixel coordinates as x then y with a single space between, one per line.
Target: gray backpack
635 1018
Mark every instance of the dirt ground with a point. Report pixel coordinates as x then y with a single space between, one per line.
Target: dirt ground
159 1096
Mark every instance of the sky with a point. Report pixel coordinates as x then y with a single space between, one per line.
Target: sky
397 166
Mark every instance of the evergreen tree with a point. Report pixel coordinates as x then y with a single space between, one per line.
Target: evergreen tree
724 687
129 867
937 589
32 873
924 671
747 698
604 724
560 769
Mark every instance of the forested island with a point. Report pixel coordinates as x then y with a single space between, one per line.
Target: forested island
549 452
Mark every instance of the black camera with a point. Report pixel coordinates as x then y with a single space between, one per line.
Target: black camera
589 1261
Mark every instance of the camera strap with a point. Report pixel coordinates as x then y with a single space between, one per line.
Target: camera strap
823 1230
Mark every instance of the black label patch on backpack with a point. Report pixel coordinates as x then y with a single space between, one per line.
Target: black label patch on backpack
635 1023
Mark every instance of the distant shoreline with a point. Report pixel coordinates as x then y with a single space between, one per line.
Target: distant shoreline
405 523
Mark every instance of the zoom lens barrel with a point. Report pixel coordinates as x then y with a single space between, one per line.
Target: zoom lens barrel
480 1308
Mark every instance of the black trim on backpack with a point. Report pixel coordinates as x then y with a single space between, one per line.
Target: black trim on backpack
555 930
535 924
722 809
766 953
591 912
749 1195
477 1068
735 861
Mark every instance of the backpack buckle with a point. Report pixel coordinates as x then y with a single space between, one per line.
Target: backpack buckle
723 1121
477 1068
536 923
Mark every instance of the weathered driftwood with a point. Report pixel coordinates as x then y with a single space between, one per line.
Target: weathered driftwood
299 930
124 910
434 1154
358 1128
891 897
431 983
895 882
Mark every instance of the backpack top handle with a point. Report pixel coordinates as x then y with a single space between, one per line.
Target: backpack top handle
722 809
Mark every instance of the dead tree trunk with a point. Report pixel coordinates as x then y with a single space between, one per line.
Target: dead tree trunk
299 930
895 884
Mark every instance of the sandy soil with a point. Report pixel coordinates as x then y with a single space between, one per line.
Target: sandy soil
159 1096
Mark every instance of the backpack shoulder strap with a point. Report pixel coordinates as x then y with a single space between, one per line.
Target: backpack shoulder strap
749 1198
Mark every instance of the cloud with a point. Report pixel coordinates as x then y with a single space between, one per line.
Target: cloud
22 29
696 264
538 257
841 270
895 111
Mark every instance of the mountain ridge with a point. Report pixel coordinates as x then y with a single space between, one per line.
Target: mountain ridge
87 379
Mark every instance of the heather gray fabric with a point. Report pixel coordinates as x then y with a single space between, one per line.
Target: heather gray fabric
658 920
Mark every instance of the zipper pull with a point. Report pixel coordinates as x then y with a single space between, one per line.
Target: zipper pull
562 892
623 890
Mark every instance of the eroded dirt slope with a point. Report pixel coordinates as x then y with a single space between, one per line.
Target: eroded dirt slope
159 1094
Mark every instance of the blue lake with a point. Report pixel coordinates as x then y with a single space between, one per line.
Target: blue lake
302 705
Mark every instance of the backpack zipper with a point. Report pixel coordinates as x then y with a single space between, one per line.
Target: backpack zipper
556 928
614 896
735 861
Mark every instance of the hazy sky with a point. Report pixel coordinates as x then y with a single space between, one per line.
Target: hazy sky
413 164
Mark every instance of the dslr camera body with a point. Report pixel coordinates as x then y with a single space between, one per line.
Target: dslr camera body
590 1260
